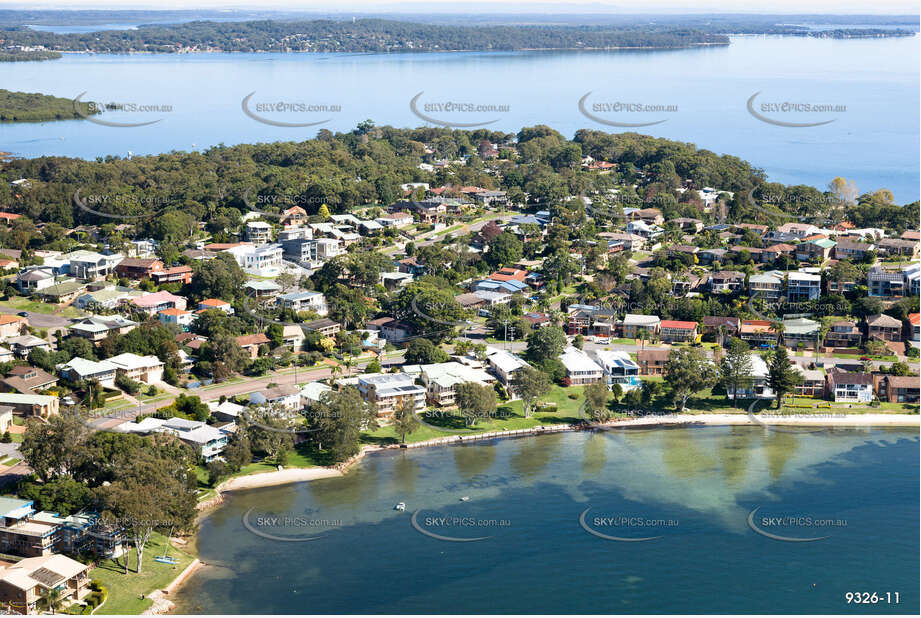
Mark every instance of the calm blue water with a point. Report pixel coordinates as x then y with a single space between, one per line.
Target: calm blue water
875 141
527 495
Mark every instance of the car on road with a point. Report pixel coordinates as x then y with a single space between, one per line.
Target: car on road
23 314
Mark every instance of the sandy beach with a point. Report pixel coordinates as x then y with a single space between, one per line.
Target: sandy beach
829 418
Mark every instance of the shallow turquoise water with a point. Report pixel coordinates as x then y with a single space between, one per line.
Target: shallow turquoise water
692 488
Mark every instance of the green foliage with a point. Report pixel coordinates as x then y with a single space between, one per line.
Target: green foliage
36 107
423 352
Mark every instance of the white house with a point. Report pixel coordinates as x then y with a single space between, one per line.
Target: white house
504 365
304 301
580 368
619 368
264 261
80 369
147 369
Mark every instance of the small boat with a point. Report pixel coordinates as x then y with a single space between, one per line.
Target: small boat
465 499
165 559
401 506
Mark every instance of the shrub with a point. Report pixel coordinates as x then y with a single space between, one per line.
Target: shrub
572 396
6 438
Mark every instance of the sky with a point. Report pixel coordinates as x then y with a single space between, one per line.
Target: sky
504 6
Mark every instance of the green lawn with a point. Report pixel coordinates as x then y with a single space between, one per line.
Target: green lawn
16 304
125 591
510 417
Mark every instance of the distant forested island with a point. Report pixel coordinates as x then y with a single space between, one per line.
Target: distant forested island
37 107
26 56
363 35
387 35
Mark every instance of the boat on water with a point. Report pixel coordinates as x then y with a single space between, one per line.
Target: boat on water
400 506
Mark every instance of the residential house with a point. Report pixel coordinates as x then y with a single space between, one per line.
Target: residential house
146 369
619 368
60 293
27 380
108 297
885 284
294 216
285 396
898 247
261 289
30 405
154 303
644 230
11 325
262 261
677 330
812 385
324 326
395 219
756 386
208 441
389 391
803 286
776 251
688 225
174 274
843 334
304 301
725 281
292 337
716 324
391 329
177 317
767 286
35 278
914 323
590 320
259 232
758 333
843 386
884 328
90 266
580 368
652 361
215 303
441 380
801 332
504 365
96 328
819 249
251 343
709 256
134 268
24 584
639 326
81 370
851 250
799 230
898 389
23 344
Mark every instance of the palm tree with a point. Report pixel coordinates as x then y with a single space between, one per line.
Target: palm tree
51 599
334 371
779 328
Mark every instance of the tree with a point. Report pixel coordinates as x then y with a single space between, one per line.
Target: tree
687 371
221 277
782 377
404 419
503 249
735 367
52 599
546 343
225 349
423 352
339 418
475 401
270 431
530 384
596 401
55 447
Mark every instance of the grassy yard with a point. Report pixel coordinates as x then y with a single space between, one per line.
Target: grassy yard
16 304
510 417
125 591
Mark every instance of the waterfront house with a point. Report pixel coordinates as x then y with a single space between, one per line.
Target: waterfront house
652 361
849 387
580 368
619 368
388 391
